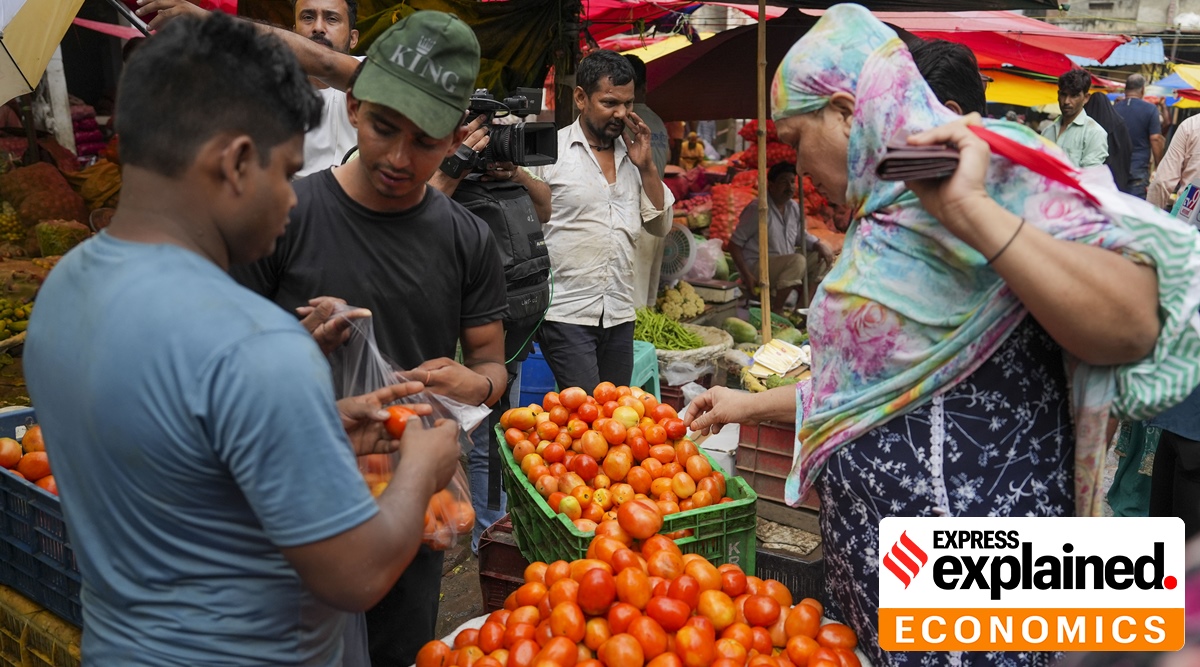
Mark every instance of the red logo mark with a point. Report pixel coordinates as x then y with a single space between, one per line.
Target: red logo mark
902 559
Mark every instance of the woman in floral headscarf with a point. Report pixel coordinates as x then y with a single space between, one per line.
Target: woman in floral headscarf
944 336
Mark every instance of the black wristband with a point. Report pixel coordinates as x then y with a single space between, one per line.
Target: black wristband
1005 247
491 388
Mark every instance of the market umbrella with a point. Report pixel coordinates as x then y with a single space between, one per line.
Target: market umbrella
30 30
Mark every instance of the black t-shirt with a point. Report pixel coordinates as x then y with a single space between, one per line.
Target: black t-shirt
426 273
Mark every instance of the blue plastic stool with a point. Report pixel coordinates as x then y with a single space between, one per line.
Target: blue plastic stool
645 368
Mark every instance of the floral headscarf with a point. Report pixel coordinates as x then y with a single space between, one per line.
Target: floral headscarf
909 310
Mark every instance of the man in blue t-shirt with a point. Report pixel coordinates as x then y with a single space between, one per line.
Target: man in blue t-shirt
1145 133
209 486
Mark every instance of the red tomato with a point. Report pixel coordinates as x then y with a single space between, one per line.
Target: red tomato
733 583
662 411
761 611
397 420
522 653
491 637
433 654
668 659
596 633
559 650
639 520
670 613
597 591
620 616
650 635
686 589
837 635
633 586
694 646
622 650
567 620
717 607
468 637
675 428
589 412
801 648
614 432
572 398
803 620
741 633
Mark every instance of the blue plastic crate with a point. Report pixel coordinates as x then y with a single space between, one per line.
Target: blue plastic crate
536 378
39 563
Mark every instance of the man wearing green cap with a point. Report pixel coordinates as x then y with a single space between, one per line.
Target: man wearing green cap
372 233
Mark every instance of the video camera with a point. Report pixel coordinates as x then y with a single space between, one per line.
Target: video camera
522 143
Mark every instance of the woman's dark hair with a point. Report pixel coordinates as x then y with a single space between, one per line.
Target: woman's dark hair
351 11
952 72
600 64
1075 82
200 77
1120 148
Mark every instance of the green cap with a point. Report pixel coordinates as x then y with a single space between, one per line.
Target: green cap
424 67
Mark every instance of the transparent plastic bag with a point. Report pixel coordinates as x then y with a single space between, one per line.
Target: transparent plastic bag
708 254
449 513
360 368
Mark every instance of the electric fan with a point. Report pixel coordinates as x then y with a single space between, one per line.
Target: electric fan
679 253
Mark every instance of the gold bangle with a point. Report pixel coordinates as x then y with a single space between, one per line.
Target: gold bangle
1005 247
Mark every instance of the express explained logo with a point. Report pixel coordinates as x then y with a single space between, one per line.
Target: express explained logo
1026 583
903 559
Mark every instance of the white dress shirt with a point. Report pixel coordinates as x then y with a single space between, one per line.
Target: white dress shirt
592 231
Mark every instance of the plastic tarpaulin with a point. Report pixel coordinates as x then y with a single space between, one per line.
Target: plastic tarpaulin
1007 88
1004 39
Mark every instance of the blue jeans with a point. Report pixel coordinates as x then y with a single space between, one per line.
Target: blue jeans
1139 181
477 463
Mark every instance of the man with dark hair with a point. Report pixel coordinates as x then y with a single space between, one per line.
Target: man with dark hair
1145 133
786 266
320 25
952 72
1080 137
647 261
185 414
372 233
329 23
605 193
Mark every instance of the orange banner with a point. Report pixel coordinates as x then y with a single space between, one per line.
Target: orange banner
1026 629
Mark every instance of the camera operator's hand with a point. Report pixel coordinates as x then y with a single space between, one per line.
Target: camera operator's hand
477 140
500 171
477 134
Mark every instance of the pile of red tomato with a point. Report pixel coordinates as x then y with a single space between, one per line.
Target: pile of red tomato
591 456
654 606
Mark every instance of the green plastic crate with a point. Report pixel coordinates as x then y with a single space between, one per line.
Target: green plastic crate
722 533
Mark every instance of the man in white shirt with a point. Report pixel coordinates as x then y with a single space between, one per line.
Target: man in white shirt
605 193
786 266
331 24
